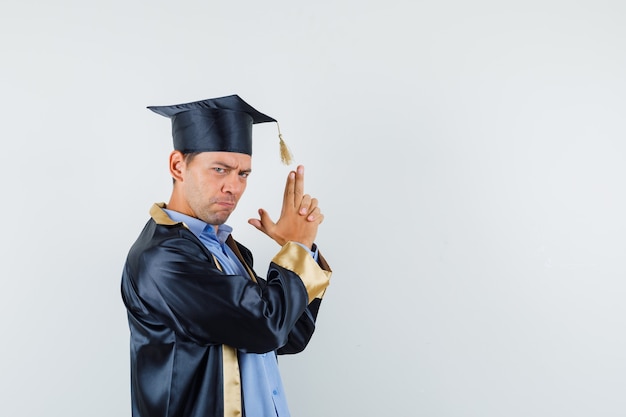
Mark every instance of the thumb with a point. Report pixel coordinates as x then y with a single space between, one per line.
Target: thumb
266 220
263 223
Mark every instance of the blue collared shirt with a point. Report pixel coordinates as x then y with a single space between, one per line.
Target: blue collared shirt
263 392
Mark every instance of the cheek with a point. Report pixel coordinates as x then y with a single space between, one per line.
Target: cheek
201 186
244 184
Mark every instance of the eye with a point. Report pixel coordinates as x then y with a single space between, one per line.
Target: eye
244 174
219 170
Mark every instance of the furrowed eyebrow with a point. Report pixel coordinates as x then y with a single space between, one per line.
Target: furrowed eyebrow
230 167
224 165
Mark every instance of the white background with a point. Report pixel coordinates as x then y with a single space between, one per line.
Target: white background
469 158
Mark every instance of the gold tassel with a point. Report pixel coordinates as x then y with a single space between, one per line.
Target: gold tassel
285 154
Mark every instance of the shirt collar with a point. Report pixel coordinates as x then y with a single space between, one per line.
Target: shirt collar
198 227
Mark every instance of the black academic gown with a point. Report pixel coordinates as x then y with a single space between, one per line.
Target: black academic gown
187 319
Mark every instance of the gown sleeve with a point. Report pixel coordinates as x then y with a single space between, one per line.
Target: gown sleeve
303 330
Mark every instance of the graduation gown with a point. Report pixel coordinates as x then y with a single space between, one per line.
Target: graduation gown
187 318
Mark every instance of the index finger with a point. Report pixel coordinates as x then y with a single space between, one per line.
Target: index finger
289 190
299 186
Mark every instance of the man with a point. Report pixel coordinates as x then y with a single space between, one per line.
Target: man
204 328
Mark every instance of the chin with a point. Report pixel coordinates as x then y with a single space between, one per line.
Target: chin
216 219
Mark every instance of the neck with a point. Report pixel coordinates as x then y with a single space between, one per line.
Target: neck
179 204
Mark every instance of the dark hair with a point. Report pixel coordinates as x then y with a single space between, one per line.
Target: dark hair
188 157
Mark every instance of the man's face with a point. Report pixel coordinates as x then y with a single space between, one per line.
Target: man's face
213 183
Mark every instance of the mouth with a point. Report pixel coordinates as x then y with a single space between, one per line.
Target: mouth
226 204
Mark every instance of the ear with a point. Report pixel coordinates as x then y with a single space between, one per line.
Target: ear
177 162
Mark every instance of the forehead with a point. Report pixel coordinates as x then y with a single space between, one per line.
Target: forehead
240 161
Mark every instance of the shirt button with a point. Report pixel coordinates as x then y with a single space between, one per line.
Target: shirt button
275 392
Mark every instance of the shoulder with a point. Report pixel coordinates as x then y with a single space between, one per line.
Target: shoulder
174 241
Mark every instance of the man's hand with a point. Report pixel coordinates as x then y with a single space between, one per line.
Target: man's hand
299 218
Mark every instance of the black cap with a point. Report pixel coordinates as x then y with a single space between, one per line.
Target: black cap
222 124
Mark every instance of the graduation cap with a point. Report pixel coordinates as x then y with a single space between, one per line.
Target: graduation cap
222 124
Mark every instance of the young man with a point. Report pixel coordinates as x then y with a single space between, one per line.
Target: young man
204 328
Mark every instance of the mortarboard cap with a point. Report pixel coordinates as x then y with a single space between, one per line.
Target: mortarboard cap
222 124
